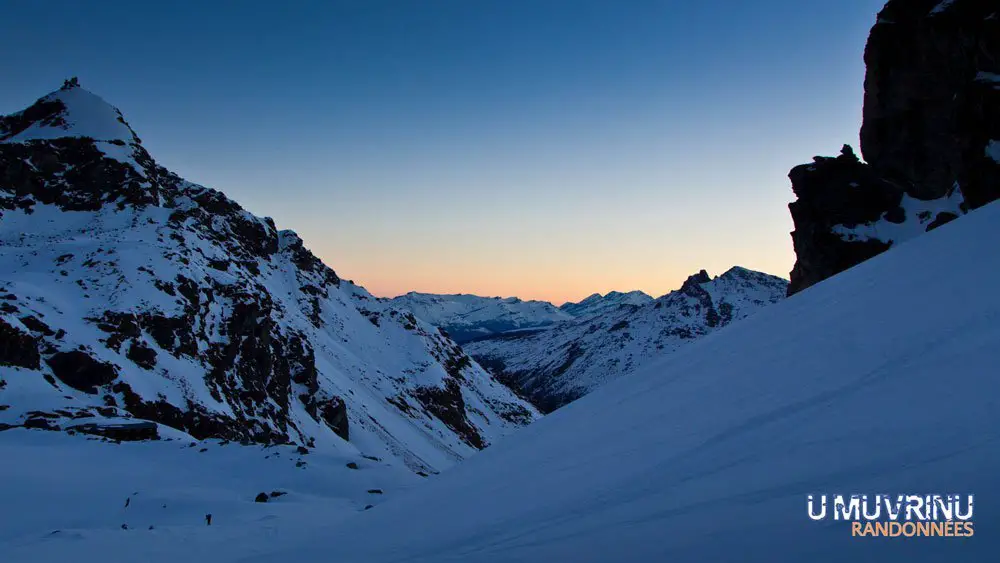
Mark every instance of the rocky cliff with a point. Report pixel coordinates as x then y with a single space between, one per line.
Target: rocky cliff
930 139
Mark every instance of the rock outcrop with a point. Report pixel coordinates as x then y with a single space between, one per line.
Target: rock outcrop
930 139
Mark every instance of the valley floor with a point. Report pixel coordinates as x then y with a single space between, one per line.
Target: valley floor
64 497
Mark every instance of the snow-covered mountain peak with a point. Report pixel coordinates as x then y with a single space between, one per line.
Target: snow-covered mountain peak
70 111
598 304
130 293
693 283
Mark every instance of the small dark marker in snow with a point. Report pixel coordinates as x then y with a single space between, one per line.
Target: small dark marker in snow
352 465
203 450
368 506
375 491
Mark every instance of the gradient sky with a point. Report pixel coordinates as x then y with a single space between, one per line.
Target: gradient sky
544 149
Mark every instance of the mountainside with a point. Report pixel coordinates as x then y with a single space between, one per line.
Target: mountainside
878 381
598 304
555 366
468 317
930 138
129 293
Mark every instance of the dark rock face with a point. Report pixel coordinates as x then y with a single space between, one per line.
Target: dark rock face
835 191
931 106
132 431
80 371
334 413
931 116
17 348
448 405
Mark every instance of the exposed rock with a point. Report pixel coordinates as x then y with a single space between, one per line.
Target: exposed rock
142 355
448 405
125 432
17 348
36 325
835 191
80 371
334 413
209 320
931 115
261 497
932 97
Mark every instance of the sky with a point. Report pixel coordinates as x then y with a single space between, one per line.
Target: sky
540 149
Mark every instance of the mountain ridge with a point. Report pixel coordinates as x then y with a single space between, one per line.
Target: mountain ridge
131 292
560 363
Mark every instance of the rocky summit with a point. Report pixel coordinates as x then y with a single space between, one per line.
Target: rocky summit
930 139
130 296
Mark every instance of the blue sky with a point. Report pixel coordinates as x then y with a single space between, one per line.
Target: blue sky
544 149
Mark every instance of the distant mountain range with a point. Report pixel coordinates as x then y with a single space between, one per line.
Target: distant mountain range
562 354
468 317
598 304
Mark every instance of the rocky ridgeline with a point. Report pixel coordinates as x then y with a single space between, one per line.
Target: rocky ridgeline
560 363
930 139
132 293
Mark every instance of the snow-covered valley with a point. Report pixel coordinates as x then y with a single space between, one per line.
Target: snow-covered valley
879 379
183 381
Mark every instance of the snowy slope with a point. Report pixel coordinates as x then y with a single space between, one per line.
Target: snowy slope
568 360
880 380
598 304
468 317
126 291
172 484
